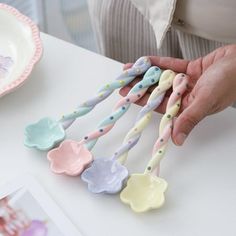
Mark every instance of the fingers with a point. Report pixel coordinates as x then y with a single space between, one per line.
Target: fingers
175 64
189 118
127 66
124 91
135 81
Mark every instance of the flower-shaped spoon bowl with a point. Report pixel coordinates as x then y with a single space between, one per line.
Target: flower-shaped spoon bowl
44 134
105 175
144 192
70 158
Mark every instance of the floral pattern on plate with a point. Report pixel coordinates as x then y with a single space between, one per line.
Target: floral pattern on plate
5 66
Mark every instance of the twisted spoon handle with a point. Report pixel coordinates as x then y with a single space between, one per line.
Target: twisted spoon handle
138 68
180 84
144 116
150 78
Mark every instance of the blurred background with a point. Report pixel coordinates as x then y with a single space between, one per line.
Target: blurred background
65 19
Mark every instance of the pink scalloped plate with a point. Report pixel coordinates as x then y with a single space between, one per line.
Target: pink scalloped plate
20 48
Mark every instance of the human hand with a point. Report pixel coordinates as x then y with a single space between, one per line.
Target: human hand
212 87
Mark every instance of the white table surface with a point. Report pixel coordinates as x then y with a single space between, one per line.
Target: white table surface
201 199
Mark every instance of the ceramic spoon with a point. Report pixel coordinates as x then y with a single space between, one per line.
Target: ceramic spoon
47 132
108 175
146 191
72 157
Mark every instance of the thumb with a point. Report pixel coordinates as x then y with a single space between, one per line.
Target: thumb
127 66
189 118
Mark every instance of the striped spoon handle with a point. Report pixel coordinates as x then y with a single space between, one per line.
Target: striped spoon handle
138 68
144 116
151 77
180 84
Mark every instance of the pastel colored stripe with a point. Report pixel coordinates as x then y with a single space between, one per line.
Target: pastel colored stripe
145 115
98 133
151 77
180 85
139 67
132 98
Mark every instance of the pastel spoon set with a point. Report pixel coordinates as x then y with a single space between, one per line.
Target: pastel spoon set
48 132
146 191
79 153
99 181
142 192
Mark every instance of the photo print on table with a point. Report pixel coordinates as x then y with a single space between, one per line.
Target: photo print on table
26 210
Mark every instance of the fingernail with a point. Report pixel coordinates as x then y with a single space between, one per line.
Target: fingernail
180 138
